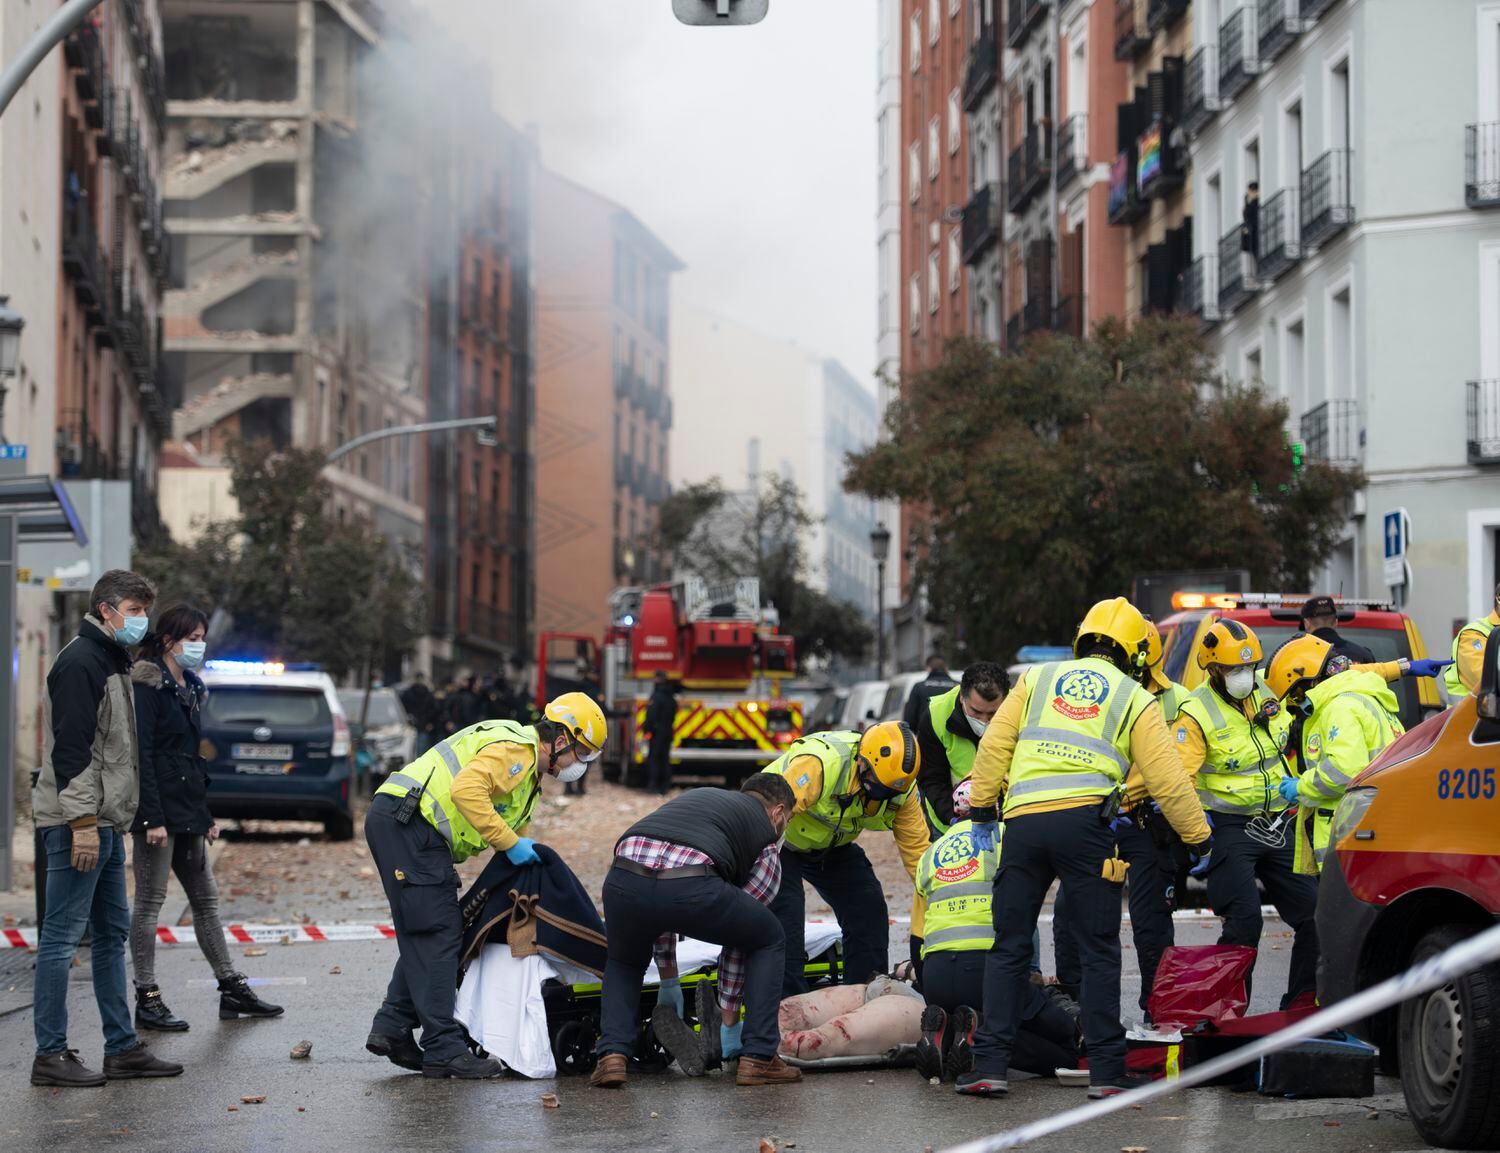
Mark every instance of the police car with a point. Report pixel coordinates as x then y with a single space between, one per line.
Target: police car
276 740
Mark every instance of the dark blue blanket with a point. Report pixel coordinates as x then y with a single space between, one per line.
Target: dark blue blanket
538 908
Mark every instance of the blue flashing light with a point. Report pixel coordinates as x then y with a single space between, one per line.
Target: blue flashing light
246 668
1041 654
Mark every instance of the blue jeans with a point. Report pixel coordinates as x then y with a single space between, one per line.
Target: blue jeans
75 900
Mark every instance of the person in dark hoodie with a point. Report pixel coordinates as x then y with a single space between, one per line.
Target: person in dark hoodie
83 803
173 826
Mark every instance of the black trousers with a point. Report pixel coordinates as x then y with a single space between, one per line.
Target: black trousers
1151 928
422 886
659 765
1238 859
845 879
639 909
1046 1040
1071 845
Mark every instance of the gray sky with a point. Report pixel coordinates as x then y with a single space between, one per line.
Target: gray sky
750 151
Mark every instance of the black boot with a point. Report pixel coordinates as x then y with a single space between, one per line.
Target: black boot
237 999
151 1012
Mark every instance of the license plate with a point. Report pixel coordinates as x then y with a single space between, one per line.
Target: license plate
260 769
261 752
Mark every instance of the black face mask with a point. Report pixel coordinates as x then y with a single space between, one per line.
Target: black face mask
873 789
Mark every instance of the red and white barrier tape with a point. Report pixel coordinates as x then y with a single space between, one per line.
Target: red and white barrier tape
241 935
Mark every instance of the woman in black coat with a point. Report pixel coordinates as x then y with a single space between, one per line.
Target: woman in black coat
173 826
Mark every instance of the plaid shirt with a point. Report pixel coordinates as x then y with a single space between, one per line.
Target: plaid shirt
765 880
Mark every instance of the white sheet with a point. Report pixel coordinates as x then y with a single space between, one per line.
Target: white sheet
500 1001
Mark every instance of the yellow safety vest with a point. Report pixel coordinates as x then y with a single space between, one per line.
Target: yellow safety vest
1243 764
960 752
958 883
838 816
1171 700
1484 627
435 769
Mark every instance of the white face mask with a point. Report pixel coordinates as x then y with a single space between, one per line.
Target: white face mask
572 772
976 724
1240 683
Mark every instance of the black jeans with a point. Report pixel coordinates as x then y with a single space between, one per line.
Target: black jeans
422 886
845 879
1047 1038
1070 844
1150 912
659 765
1238 859
639 909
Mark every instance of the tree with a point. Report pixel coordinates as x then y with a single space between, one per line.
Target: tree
295 583
1053 476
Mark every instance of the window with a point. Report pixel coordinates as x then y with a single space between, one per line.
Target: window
955 261
934 279
1294 369
955 121
914 38
1292 162
934 20
934 157
1340 341
914 303
1254 374
1338 104
914 172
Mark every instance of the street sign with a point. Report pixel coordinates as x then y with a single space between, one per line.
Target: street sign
12 452
1397 529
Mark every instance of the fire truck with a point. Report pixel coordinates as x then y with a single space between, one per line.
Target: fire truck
720 646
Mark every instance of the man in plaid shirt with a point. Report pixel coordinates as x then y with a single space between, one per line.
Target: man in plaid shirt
705 864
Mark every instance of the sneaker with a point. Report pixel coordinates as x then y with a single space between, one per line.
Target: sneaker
978 1084
402 1051
609 1073
709 1019
959 1059
1117 1085
765 1071
138 1062
466 1067
64 1071
932 1043
678 1038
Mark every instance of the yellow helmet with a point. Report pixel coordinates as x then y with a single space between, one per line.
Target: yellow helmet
1229 645
1156 679
1303 658
1121 622
582 719
889 750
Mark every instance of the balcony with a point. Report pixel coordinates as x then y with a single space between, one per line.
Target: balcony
1238 64
1237 281
1072 148
982 72
1030 167
1131 34
490 626
1200 90
1311 9
1125 203
79 453
83 52
1160 13
638 479
83 261
1067 317
1482 165
1331 433
624 470
1200 291
1020 17
1279 22
1159 167
1280 244
1326 206
981 226
1484 421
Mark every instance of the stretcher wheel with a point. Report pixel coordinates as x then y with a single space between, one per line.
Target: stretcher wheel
573 1048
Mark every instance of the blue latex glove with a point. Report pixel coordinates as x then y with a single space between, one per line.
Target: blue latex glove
523 852
1288 788
985 834
729 1039
670 993
1426 668
1200 864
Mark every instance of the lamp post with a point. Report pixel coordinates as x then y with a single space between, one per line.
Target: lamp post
11 323
880 548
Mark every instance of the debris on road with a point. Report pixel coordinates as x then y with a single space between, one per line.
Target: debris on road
550 1101
766 1146
253 1099
234 1108
256 952
301 1050
335 971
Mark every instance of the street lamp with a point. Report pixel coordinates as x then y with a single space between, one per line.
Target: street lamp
880 549
11 323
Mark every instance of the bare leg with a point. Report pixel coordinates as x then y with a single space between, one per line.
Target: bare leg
868 1031
809 1010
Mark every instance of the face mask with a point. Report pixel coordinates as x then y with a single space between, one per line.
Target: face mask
1239 683
976 724
572 772
1304 706
132 631
191 655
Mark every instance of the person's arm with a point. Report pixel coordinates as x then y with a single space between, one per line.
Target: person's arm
763 885
992 761
1386 670
1192 745
924 878
1154 751
498 769
147 713
664 953
935 778
1344 755
1470 659
76 691
805 775
910 831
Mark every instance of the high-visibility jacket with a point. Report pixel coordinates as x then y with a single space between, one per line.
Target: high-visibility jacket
1354 717
838 816
960 753
958 881
435 769
1243 761
1473 637
1170 699
1074 740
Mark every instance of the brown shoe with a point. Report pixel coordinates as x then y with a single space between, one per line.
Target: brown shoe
760 1071
609 1073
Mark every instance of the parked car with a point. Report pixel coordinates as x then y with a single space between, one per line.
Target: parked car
828 711
387 732
1413 867
277 744
862 709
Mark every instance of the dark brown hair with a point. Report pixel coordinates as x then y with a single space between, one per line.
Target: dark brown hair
172 625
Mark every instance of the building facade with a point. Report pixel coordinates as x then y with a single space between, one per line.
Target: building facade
1363 286
604 405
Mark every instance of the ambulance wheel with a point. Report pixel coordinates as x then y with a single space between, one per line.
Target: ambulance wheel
1450 1052
573 1049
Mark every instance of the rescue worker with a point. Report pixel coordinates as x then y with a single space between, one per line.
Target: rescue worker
935 683
956 880
659 727
1059 750
948 732
1320 618
1350 715
477 788
1462 677
846 783
1232 736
